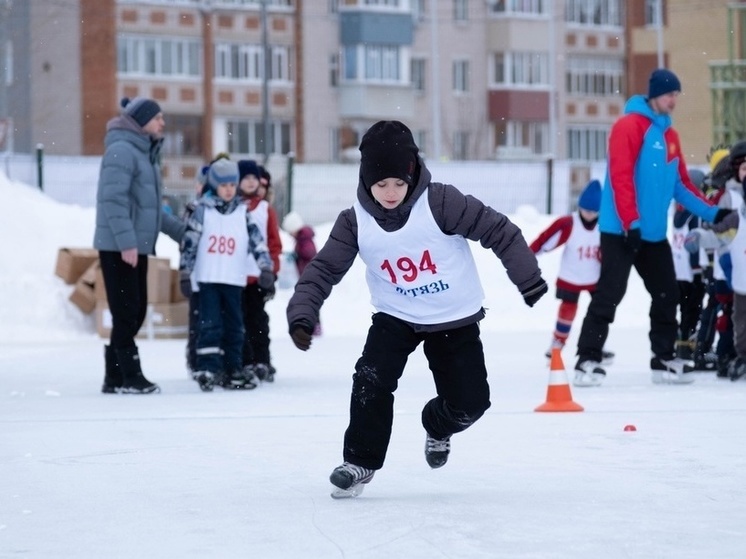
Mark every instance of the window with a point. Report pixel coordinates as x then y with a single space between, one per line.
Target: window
419 10
587 144
594 12
372 63
533 136
520 68
334 70
461 76
246 137
156 56
594 76
517 6
183 135
460 10
246 62
651 12
460 145
417 70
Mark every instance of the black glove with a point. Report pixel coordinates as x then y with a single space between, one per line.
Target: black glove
268 294
721 215
267 280
633 240
535 292
185 284
301 333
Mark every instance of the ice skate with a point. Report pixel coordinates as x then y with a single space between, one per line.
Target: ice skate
437 451
349 480
588 373
670 371
205 379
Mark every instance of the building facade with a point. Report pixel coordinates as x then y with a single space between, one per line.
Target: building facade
474 79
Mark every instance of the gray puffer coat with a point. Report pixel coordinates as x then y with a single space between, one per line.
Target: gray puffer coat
128 201
455 214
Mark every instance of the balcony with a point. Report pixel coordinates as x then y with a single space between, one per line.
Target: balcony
376 102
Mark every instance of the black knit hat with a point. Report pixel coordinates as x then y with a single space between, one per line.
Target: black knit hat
662 81
388 150
247 167
141 109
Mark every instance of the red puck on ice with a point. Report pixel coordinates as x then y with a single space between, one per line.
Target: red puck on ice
630 428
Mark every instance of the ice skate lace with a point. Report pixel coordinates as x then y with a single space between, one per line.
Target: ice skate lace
358 473
437 445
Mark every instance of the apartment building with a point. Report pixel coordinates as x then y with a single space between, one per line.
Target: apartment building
474 79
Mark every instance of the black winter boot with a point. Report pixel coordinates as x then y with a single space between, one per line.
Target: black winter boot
112 374
133 381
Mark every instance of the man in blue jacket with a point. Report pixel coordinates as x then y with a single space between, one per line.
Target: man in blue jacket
645 171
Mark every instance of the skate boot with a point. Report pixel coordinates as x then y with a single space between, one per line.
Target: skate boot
737 369
723 365
205 379
349 480
437 451
670 371
588 373
264 372
246 378
113 374
705 361
133 381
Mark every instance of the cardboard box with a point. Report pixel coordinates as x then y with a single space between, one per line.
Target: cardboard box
84 296
176 295
162 321
72 262
159 280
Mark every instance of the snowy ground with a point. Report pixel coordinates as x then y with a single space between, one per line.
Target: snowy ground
191 475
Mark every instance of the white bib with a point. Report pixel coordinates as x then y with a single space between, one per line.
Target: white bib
681 257
418 273
580 264
222 248
717 272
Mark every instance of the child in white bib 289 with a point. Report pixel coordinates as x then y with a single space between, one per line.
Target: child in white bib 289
218 238
412 236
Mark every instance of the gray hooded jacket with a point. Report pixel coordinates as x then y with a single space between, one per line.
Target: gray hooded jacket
128 200
455 214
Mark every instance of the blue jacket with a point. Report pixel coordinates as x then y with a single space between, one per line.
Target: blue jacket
645 171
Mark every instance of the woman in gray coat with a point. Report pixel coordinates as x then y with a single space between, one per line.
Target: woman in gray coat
128 219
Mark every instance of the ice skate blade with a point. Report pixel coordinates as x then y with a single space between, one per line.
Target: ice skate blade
583 380
666 377
349 493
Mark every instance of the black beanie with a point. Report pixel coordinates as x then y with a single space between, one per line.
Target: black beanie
247 167
142 110
388 150
662 81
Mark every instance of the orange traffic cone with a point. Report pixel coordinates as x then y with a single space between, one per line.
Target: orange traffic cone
559 397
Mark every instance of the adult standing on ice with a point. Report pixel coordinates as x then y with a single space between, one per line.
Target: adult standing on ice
411 234
129 216
645 171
